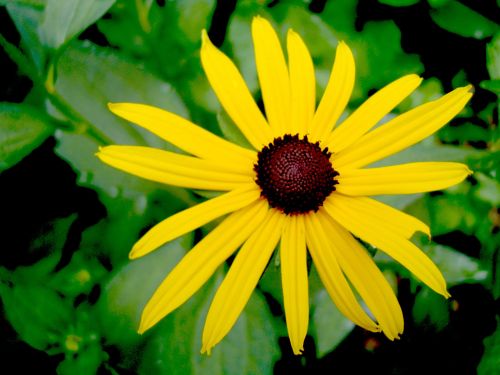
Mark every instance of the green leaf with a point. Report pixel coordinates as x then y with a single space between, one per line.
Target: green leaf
462 20
249 348
127 292
89 77
22 129
488 190
491 85
493 57
490 362
431 308
399 3
85 362
64 20
456 267
328 326
27 17
38 314
230 131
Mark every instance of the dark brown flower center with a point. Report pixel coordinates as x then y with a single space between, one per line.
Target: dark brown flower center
295 175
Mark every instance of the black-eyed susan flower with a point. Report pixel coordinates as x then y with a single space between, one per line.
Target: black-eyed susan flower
304 186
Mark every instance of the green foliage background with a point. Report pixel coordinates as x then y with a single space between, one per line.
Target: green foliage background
71 299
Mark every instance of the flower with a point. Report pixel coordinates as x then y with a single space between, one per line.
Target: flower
303 185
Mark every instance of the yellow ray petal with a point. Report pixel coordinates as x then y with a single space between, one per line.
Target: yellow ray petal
365 276
183 134
294 280
337 94
240 281
401 179
172 169
395 220
376 232
234 95
404 130
302 84
371 112
273 75
331 275
192 218
201 262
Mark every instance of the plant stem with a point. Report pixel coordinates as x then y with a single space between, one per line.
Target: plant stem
81 124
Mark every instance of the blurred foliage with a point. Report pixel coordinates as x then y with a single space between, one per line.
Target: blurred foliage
79 299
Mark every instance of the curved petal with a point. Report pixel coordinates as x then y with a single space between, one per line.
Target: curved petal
379 234
240 281
172 169
183 133
403 131
201 262
331 275
302 84
366 277
371 112
234 95
192 218
294 280
401 179
337 94
273 75
397 221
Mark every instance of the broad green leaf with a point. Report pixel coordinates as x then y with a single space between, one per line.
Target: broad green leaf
493 57
490 362
488 189
127 292
85 362
38 314
456 267
491 85
328 326
462 20
249 348
62 20
35 3
438 3
22 129
51 240
27 17
431 308
193 16
399 3
231 131
90 77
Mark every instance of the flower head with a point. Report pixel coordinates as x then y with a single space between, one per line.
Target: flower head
303 186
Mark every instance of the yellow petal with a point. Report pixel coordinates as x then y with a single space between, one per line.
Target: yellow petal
273 75
401 179
337 94
365 277
240 281
397 221
172 169
381 235
183 134
192 218
302 84
294 279
331 275
371 112
234 95
201 262
404 130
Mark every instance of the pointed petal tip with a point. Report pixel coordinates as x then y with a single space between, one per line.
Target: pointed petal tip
205 40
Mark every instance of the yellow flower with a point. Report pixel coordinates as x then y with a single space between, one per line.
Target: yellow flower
303 185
